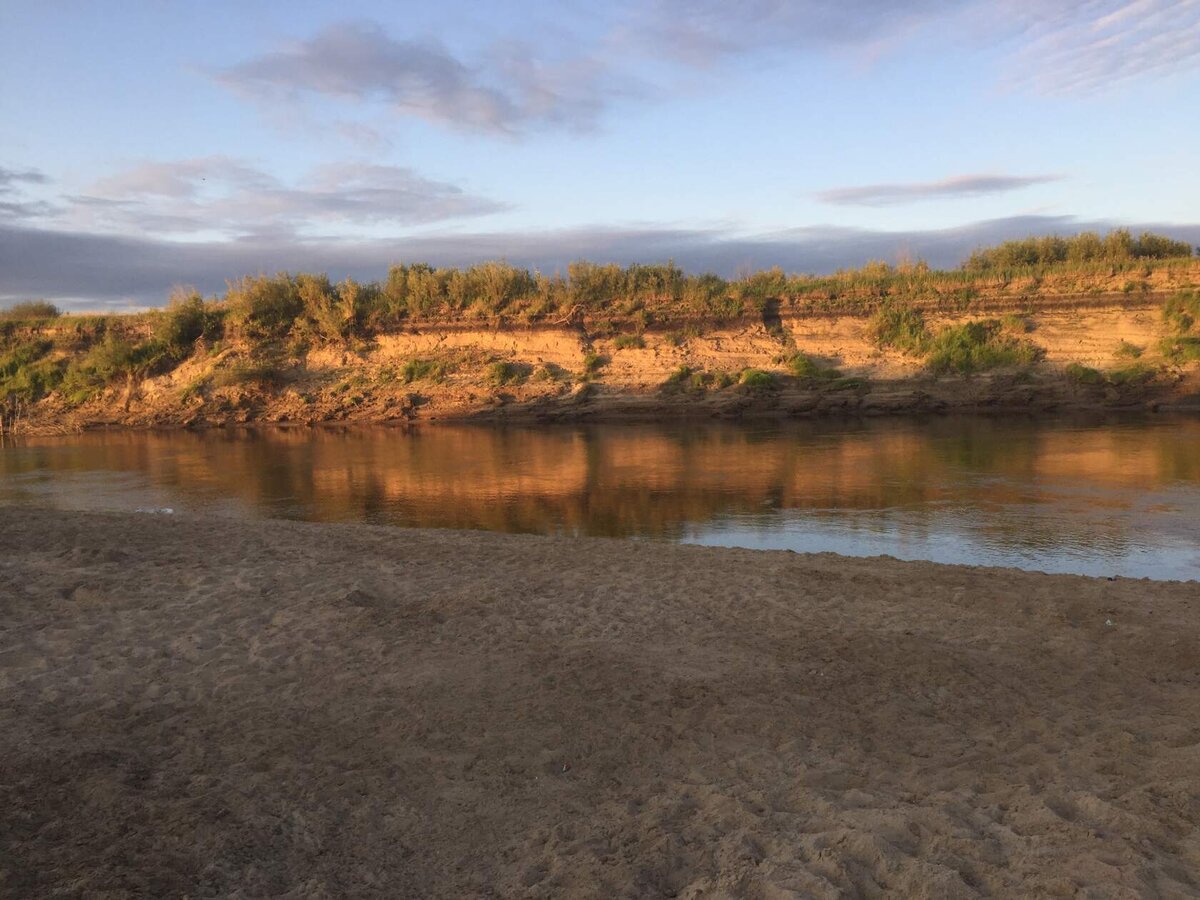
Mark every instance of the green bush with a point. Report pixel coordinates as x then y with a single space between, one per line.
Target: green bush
803 366
978 346
504 373
424 370
1138 373
1126 350
593 363
186 320
1182 311
263 308
900 328
1117 246
30 309
1082 374
629 342
756 379
1180 350
27 373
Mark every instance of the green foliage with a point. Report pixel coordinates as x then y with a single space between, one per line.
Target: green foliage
27 373
978 346
900 328
424 370
112 359
1181 350
757 379
1017 324
186 320
1126 350
1182 312
803 366
30 310
593 363
263 308
1138 373
629 342
505 373
1117 246
1082 374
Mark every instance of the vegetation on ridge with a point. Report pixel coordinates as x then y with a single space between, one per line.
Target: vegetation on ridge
262 324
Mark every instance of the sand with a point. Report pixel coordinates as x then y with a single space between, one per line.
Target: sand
201 707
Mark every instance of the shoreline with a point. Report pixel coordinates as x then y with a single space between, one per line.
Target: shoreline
199 705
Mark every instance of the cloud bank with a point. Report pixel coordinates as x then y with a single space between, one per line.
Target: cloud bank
956 188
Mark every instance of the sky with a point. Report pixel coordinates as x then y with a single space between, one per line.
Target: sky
151 144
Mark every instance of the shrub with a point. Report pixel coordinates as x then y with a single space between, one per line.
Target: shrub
1126 350
502 373
30 309
1180 350
27 373
424 370
1117 246
629 342
977 346
803 366
756 379
1138 373
593 363
1082 374
186 320
1017 324
1182 311
263 308
900 328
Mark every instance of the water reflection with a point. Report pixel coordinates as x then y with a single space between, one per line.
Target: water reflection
1119 497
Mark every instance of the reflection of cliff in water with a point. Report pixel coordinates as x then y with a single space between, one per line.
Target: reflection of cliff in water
642 480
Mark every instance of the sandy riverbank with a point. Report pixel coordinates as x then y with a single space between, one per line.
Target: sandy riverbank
211 708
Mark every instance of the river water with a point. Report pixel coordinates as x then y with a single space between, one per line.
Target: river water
1111 497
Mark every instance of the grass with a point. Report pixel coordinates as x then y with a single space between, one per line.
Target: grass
593 363
803 366
964 349
1081 374
424 370
1126 350
1182 312
900 328
976 347
629 342
502 373
757 379
1138 373
1181 350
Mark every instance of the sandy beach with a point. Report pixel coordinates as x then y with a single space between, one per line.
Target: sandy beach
207 708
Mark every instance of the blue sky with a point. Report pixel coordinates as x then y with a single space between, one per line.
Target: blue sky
154 143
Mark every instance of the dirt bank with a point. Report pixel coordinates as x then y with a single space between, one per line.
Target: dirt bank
206 708
1089 357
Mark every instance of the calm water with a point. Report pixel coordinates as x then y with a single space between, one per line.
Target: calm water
1111 498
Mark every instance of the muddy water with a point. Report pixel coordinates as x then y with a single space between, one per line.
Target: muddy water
1117 497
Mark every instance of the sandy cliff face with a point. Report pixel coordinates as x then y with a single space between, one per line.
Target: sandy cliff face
579 371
